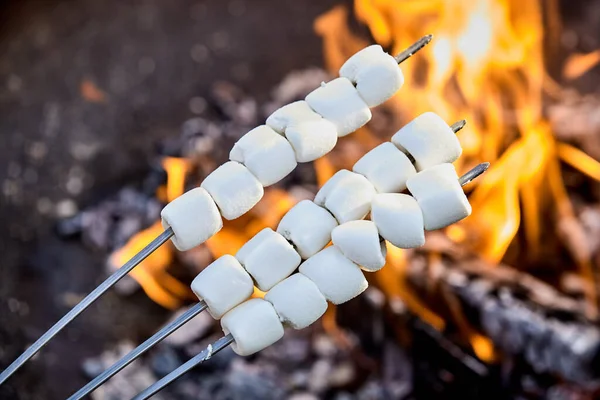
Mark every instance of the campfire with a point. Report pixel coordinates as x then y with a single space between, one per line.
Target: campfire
505 302
522 256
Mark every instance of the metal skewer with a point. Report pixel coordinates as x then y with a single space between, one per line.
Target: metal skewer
418 45
85 303
140 350
125 269
225 341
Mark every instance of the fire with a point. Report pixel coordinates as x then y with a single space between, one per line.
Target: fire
486 64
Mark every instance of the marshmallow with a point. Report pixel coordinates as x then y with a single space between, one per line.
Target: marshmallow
308 227
339 102
269 258
298 301
375 73
429 140
266 154
234 189
359 60
398 219
291 114
386 167
338 278
440 196
359 241
223 285
254 326
347 196
312 139
194 218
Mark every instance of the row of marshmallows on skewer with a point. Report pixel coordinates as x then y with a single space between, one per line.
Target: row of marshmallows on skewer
335 273
299 132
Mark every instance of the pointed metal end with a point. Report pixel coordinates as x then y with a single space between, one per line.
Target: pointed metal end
457 126
473 173
412 49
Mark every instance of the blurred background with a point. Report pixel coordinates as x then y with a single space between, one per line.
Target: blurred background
110 109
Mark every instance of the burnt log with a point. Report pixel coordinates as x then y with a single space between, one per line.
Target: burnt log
523 316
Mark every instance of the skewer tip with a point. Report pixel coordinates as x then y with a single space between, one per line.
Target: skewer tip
412 49
457 126
473 173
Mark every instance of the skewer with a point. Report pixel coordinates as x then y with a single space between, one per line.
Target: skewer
418 45
223 342
85 303
199 307
140 350
125 269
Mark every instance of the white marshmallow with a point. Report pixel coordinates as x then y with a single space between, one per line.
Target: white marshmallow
429 140
386 167
254 326
266 154
298 301
234 189
223 285
347 196
312 139
339 102
194 217
398 219
354 64
359 241
308 227
440 196
269 258
292 114
338 278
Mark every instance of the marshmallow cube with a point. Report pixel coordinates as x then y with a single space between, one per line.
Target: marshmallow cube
234 189
194 218
429 140
269 258
375 73
308 227
312 139
223 285
440 196
386 167
399 219
338 278
298 301
254 326
291 114
266 154
359 241
347 196
339 102
359 60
